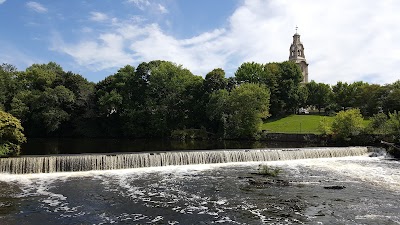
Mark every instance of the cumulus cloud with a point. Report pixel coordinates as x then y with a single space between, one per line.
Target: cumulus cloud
344 40
37 7
98 16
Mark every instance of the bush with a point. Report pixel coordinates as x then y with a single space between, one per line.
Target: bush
11 136
378 124
347 124
325 126
393 126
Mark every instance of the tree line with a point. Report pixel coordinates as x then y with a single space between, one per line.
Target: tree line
160 98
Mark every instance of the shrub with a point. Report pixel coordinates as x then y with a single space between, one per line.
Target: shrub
378 124
325 126
393 126
347 124
11 136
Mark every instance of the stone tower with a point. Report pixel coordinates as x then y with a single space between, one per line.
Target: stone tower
297 55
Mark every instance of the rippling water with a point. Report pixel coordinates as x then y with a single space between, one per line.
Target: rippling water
210 194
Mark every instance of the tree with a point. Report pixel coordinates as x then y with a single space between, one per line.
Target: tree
283 80
250 73
345 95
347 124
368 99
393 126
289 86
40 76
11 136
8 85
215 80
391 100
43 104
378 124
248 105
168 85
240 113
319 94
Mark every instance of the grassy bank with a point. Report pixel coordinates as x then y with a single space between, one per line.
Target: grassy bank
298 124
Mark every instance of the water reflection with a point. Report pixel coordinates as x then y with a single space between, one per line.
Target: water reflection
40 146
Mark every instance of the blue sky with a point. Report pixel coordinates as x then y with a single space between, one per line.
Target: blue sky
345 40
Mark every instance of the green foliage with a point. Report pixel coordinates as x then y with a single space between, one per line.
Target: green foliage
391 97
347 124
393 126
319 94
268 171
159 97
215 80
240 112
251 72
378 124
248 104
11 136
325 126
282 79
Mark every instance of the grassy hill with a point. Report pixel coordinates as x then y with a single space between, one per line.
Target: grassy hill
298 124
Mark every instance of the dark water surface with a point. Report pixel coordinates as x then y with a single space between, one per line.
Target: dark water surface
209 194
44 146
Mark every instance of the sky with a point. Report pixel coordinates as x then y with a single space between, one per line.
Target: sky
344 40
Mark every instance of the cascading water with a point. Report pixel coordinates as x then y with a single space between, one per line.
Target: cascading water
226 193
87 162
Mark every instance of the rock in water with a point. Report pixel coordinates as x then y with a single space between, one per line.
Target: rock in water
335 187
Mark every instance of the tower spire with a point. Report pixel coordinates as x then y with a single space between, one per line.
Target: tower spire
296 55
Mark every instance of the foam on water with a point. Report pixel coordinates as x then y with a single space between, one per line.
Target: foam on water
64 163
171 188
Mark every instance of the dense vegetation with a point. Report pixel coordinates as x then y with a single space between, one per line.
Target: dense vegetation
11 136
159 98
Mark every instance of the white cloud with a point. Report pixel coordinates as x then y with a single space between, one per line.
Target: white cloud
98 16
2 1
141 4
344 40
37 7
148 5
162 9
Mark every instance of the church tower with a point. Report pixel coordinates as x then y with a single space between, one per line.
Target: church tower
297 55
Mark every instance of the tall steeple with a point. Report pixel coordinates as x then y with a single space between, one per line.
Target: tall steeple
297 55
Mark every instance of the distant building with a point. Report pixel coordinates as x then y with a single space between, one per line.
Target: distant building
297 55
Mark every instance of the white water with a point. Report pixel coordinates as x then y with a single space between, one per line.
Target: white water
63 163
181 192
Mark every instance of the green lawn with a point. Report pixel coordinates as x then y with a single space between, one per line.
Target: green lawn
298 124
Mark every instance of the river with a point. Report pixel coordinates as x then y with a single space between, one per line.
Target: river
228 193
45 146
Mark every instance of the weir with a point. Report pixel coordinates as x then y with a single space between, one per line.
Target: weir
113 161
